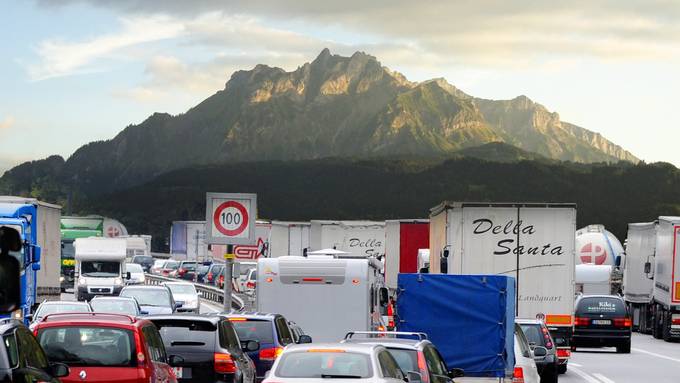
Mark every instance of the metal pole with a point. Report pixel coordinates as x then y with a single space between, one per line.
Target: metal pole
228 267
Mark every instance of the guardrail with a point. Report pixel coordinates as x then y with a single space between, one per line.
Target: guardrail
206 292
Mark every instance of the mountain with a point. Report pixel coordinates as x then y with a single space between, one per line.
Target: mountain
334 106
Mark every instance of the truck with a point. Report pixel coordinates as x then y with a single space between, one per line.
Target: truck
100 266
37 223
469 318
355 237
666 293
638 274
597 279
532 242
597 246
187 240
327 295
288 238
404 238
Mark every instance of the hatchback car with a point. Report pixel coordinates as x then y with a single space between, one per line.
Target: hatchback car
525 370
209 346
53 307
412 351
137 276
213 274
326 362
201 272
169 269
117 305
146 261
152 299
157 266
539 337
270 330
21 357
102 347
187 270
602 321
186 295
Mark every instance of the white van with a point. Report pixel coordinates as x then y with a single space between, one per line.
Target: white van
100 266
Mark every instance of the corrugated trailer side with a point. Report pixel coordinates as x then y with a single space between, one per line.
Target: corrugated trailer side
49 238
666 313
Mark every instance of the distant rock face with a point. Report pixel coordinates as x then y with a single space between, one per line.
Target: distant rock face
333 106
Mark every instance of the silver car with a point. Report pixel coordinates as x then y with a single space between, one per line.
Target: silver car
341 362
185 294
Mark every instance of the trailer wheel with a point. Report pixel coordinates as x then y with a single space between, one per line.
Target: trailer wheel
656 323
666 329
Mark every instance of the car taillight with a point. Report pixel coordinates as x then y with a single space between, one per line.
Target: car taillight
224 364
250 284
181 272
422 368
579 321
563 353
518 375
622 322
210 277
271 353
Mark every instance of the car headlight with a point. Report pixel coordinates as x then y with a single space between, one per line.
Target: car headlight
118 281
81 281
61 279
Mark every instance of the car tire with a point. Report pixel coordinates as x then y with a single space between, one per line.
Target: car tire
550 375
562 369
624 348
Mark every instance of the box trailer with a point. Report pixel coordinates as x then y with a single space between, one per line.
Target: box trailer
666 311
366 238
532 242
49 239
187 240
288 238
638 274
403 239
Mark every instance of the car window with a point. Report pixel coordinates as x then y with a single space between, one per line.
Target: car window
89 346
30 350
389 366
187 334
521 339
259 330
601 305
46 309
148 297
182 288
435 365
534 334
315 364
285 336
142 259
134 268
117 306
406 359
189 266
154 344
228 337
10 343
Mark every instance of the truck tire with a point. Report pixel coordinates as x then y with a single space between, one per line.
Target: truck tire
624 348
656 323
562 369
666 326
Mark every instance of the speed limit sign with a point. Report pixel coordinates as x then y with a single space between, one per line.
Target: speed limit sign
231 218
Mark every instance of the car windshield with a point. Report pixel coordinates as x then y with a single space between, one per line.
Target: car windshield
324 364
134 268
116 306
148 297
187 335
61 307
182 288
261 331
145 259
406 359
535 335
89 346
601 305
99 268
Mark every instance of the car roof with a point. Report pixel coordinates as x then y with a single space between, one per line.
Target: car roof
250 315
186 317
8 325
406 344
348 347
62 302
146 287
90 319
109 298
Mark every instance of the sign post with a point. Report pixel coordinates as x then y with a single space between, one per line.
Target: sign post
230 221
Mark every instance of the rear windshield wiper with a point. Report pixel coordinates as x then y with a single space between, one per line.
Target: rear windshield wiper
333 376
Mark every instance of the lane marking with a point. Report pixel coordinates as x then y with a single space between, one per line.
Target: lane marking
603 378
584 375
656 355
575 364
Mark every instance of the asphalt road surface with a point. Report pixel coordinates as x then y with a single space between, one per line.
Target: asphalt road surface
650 360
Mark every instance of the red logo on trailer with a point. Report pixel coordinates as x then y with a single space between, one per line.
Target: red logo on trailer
593 254
217 218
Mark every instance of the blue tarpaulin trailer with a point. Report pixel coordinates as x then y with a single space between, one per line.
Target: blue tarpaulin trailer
470 318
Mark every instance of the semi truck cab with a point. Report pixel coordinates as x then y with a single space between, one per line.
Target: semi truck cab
100 267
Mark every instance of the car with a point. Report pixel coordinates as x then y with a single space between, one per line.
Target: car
157 266
539 337
324 362
169 269
136 274
412 351
270 330
248 284
296 330
187 270
117 305
21 357
201 272
525 370
213 274
210 347
185 294
602 321
104 347
152 299
244 268
52 307
146 261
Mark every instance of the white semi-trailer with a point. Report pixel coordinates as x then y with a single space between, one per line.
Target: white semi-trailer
288 238
532 242
365 238
638 274
666 311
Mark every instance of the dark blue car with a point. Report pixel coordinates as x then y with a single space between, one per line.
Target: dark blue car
271 331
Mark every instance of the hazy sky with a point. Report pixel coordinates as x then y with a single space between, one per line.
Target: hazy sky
74 71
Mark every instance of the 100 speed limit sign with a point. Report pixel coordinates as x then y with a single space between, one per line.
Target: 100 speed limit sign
231 218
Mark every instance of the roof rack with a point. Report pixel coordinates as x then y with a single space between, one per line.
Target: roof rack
58 316
391 334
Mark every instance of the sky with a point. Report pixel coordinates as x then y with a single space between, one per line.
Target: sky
76 71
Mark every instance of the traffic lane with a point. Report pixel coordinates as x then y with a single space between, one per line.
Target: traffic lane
650 360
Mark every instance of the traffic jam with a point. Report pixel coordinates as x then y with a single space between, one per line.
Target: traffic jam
475 292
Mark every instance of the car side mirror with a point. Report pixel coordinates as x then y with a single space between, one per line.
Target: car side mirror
128 275
250 345
540 351
59 370
178 305
648 268
456 373
304 339
175 360
143 312
413 376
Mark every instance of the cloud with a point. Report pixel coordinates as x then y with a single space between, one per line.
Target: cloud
7 123
60 58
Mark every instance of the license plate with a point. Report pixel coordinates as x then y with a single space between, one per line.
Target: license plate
602 322
178 372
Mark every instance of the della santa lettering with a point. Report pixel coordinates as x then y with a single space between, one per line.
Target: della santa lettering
511 229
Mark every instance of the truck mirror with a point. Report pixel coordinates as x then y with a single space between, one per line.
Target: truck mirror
384 296
444 265
10 297
37 255
445 253
128 275
648 268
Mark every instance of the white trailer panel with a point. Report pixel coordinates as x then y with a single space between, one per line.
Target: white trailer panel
288 238
366 238
640 249
667 271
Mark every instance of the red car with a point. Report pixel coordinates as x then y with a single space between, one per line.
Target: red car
101 347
